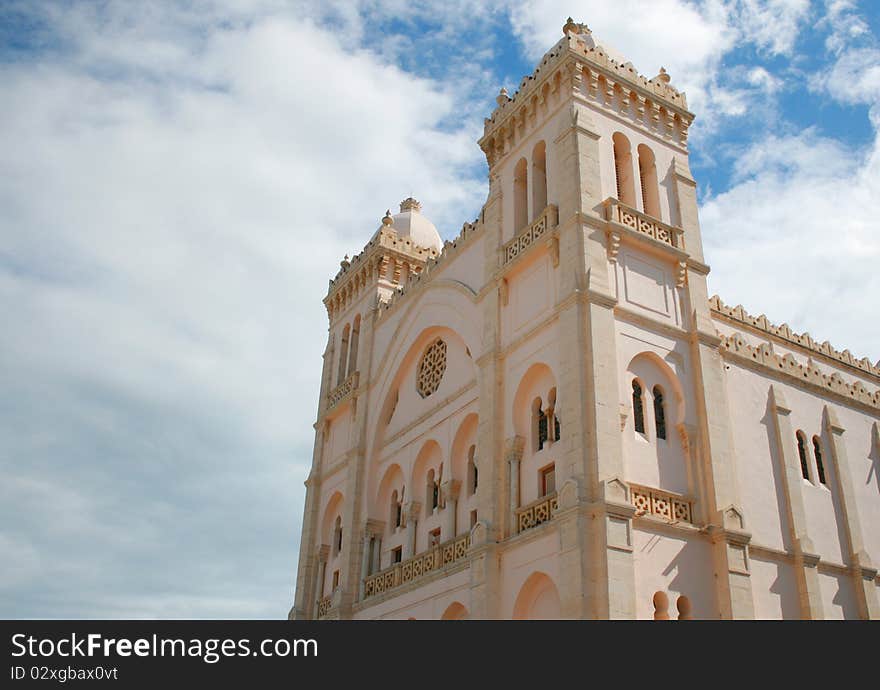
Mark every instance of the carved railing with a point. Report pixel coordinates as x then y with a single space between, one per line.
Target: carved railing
324 605
413 568
646 225
548 220
342 391
661 504
537 512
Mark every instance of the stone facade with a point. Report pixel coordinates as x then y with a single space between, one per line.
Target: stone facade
549 417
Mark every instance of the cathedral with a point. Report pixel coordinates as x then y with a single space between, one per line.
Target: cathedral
550 417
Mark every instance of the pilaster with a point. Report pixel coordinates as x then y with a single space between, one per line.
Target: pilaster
806 560
862 570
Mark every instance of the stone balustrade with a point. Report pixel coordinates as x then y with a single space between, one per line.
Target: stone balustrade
617 212
342 391
537 512
548 220
324 605
413 568
661 504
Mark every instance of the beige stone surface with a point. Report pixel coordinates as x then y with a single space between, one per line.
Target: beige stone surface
549 416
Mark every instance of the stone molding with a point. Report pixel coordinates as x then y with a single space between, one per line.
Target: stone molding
763 355
804 341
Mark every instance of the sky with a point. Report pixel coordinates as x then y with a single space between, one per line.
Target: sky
179 180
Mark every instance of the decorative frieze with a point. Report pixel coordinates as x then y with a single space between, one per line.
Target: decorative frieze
536 513
662 504
548 220
413 568
617 212
761 323
342 391
736 346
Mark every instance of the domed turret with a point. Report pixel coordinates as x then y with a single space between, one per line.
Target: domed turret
412 224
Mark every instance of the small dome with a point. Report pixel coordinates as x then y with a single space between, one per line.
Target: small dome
412 224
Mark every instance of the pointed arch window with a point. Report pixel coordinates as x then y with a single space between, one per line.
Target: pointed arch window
638 407
802 454
820 465
659 413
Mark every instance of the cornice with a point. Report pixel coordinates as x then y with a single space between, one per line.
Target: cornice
804 342
763 358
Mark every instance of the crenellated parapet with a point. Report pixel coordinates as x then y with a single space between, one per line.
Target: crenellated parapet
387 261
764 356
415 281
578 66
739 316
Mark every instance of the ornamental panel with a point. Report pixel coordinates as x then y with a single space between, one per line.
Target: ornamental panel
431 368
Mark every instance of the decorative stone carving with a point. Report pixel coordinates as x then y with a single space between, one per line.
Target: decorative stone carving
431 368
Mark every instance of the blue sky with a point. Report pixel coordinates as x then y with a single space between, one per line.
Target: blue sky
178 181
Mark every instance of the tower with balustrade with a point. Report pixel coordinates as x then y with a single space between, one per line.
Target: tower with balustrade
549 416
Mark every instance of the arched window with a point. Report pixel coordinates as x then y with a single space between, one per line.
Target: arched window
520 196
353 347
539 417
820 465
472 471
337 535
648 180
802 453
396 510
539 179
659 413
343 354
638 407
432 492
554 428
623 169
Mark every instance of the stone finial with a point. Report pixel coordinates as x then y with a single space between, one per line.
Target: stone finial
387 220
410 204
571 27
345 263
663 76
502 97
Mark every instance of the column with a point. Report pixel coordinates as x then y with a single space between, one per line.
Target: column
863 573
451 490
513 450
802 546
323 554
413 508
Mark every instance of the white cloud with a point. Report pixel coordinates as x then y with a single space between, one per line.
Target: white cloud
176 190
795 238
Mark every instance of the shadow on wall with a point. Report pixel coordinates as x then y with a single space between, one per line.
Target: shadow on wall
874 458
785 588
693 574
778 468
